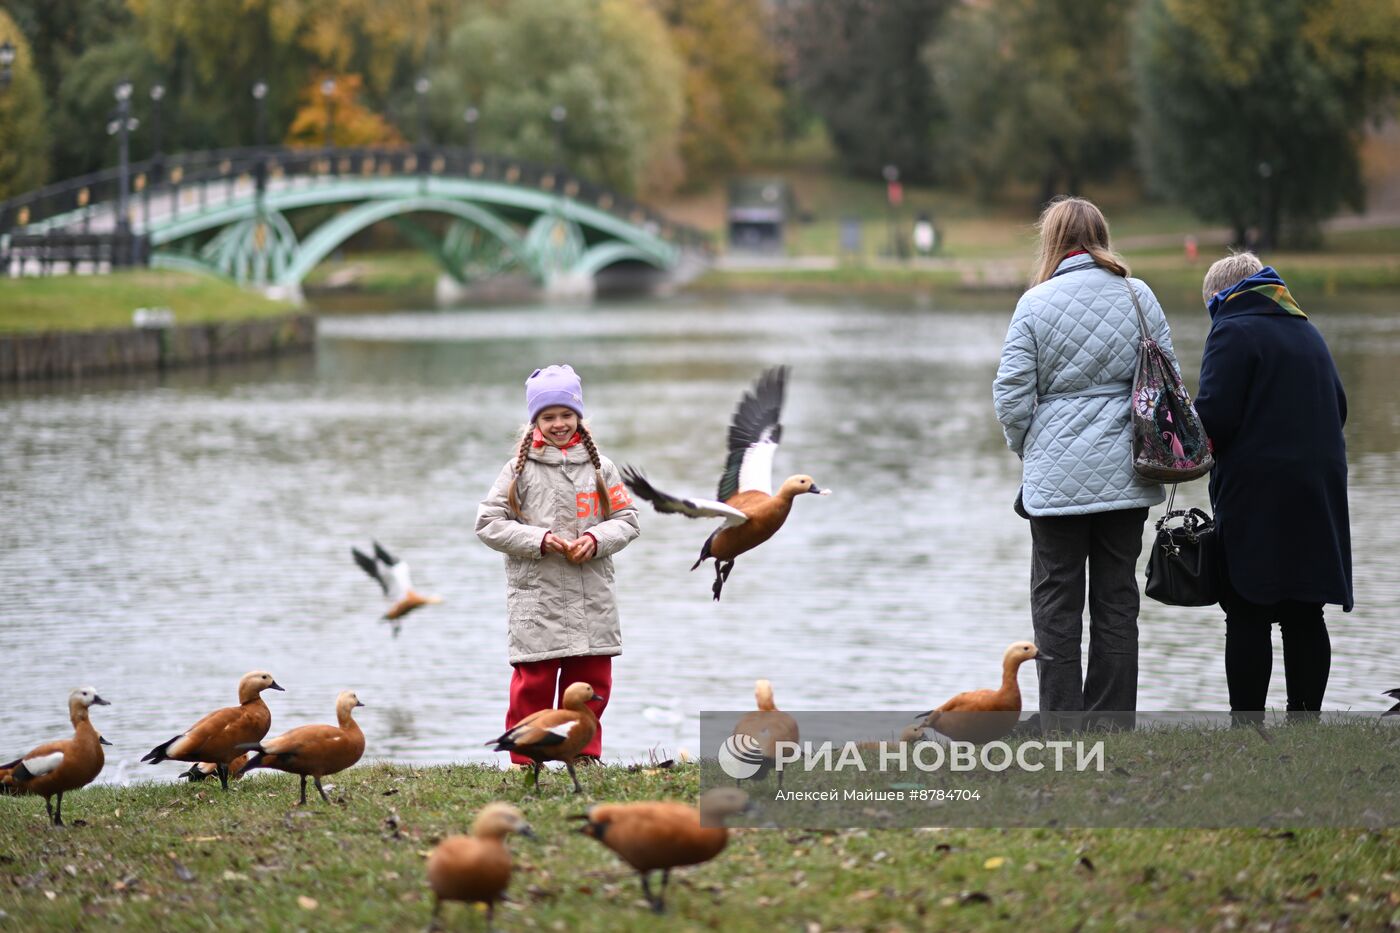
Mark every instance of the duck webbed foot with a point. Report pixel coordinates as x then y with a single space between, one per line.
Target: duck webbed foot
722 570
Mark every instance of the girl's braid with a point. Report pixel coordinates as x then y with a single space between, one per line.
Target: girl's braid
597 462
520 455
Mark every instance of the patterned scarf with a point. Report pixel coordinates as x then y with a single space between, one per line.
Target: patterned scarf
1265 283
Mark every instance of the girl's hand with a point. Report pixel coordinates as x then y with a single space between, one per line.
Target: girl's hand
583 549
553 544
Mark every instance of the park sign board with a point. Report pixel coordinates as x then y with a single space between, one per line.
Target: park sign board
847 769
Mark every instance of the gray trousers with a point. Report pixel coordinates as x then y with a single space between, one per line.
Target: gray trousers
1108 544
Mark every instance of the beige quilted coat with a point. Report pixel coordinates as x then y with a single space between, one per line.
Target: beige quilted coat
554 608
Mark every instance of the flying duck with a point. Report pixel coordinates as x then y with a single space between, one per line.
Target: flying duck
662 835
768 725
554 734
216 738
54 768
985 715
313 751
392 576
476 869
752 512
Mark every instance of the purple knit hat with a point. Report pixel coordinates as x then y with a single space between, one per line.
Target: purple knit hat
553 385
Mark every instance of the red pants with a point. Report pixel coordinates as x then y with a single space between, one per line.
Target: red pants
538 685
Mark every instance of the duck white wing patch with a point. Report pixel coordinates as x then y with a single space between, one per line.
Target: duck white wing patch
43 764
564 728
397 579
756 470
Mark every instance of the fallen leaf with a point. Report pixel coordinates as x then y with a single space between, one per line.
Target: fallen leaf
307 903
865 895
1085 863
51 895
234 876
994 862
72 870
974 897
183 873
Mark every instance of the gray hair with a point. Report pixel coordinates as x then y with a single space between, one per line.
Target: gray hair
1231 270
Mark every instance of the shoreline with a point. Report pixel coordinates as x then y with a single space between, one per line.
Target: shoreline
71 354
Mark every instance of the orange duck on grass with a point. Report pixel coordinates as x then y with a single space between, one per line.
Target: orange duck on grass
216 738
554 734
662 835
476 869
54 768
752 512
986 715
767 726
316 750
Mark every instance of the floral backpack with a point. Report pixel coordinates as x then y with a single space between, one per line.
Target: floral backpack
1169 441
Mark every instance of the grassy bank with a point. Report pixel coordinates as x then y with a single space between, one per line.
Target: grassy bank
174 857
102 302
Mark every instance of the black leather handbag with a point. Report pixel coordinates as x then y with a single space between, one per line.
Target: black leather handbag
1184 566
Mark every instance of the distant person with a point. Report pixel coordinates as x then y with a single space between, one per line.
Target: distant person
1062 395
925 236
1273 405
558 511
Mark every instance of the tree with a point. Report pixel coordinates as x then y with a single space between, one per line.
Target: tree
608 63
1253 110
731 96
353 123
85 104
1035 90
23 133
858 64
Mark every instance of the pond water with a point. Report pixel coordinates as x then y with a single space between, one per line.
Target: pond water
164 534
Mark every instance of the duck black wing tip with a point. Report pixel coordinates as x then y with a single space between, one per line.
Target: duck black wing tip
156 755
636 481
1393 694
757 418
379 552
368 565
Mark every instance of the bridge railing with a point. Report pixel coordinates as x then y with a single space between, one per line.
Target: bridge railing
164 180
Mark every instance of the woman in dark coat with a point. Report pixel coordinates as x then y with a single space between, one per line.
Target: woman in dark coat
1273 405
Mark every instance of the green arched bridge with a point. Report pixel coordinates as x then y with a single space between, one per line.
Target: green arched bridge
266 217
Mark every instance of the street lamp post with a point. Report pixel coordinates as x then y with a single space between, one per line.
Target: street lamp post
122 126
157 95
7 59
1265 239
470 116
260 173
558 114
328 92
421 88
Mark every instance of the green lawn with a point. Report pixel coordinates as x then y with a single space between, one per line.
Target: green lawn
174 857
99 302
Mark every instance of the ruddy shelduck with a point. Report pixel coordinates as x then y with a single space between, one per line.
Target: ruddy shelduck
476 869
54 768
392 576
216 738
1394 710
662 835
985 715
768 726
554 734
752 512
314 751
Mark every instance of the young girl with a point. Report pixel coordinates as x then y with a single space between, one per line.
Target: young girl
558 511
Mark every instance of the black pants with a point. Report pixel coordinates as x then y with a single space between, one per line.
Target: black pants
1249 651
1108 543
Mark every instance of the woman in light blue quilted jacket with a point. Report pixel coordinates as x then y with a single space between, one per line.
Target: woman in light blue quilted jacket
1061 394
